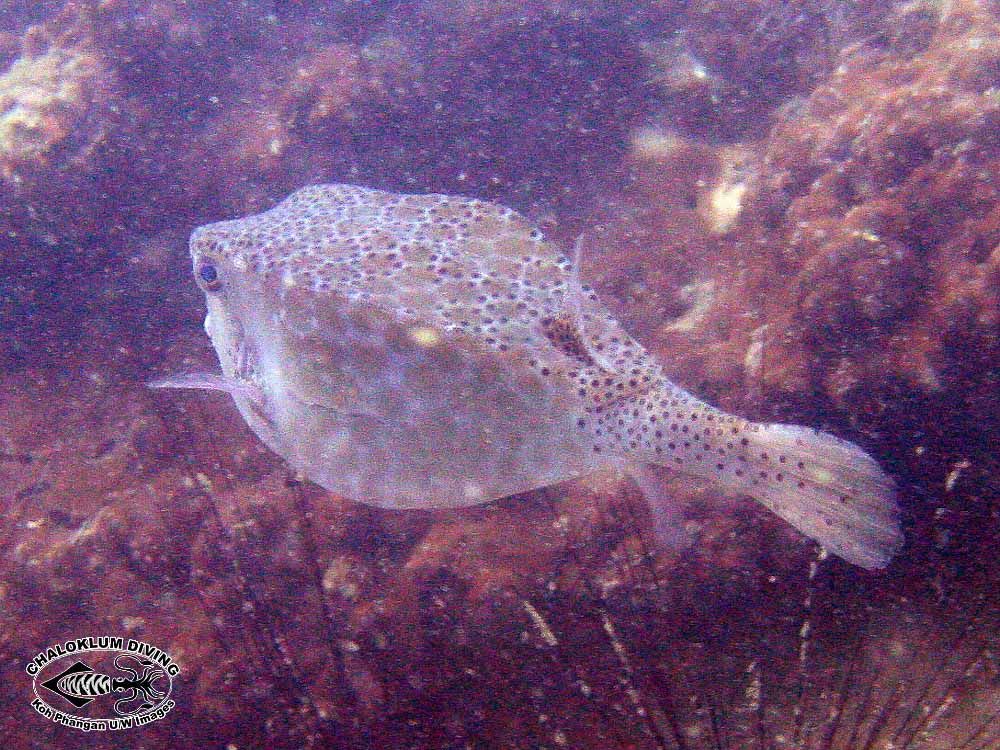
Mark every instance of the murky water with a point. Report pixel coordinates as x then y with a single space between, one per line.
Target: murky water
792 207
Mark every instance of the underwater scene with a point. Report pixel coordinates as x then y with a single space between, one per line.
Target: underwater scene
460 374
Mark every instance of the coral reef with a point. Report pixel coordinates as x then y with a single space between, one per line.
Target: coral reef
894 202
795 205
45 101
856 248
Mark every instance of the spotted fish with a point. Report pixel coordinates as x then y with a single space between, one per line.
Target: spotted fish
429 351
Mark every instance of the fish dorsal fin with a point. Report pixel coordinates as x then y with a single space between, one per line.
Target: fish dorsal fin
576 295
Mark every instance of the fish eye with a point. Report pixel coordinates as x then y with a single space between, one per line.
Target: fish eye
209 274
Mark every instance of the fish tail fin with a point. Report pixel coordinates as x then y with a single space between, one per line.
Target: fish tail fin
827 488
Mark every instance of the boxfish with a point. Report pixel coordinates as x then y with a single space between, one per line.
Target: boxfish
433 351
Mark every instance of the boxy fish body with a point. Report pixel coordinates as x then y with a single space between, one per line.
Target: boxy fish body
427 351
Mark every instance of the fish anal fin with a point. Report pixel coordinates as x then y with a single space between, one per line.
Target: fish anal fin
665 500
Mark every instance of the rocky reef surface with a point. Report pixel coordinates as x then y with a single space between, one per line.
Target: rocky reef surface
794 205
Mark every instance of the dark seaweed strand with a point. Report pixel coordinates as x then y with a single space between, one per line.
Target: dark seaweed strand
666 706
305 511
761 721
843 695
560 657
208 501
648 557
192 584
206 608
718 724
665 699
897 696
287 675
19 458
994 718
653 715
858 687
859 713
255 645
905 736
888 709
13 514
953 650
649 714
988 742
269 653
713 723
853 706
665 710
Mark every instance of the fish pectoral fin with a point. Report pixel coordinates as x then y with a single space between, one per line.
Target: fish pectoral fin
204 381
250 393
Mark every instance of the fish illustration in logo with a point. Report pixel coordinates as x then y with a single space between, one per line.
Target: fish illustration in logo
80 685
429 351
